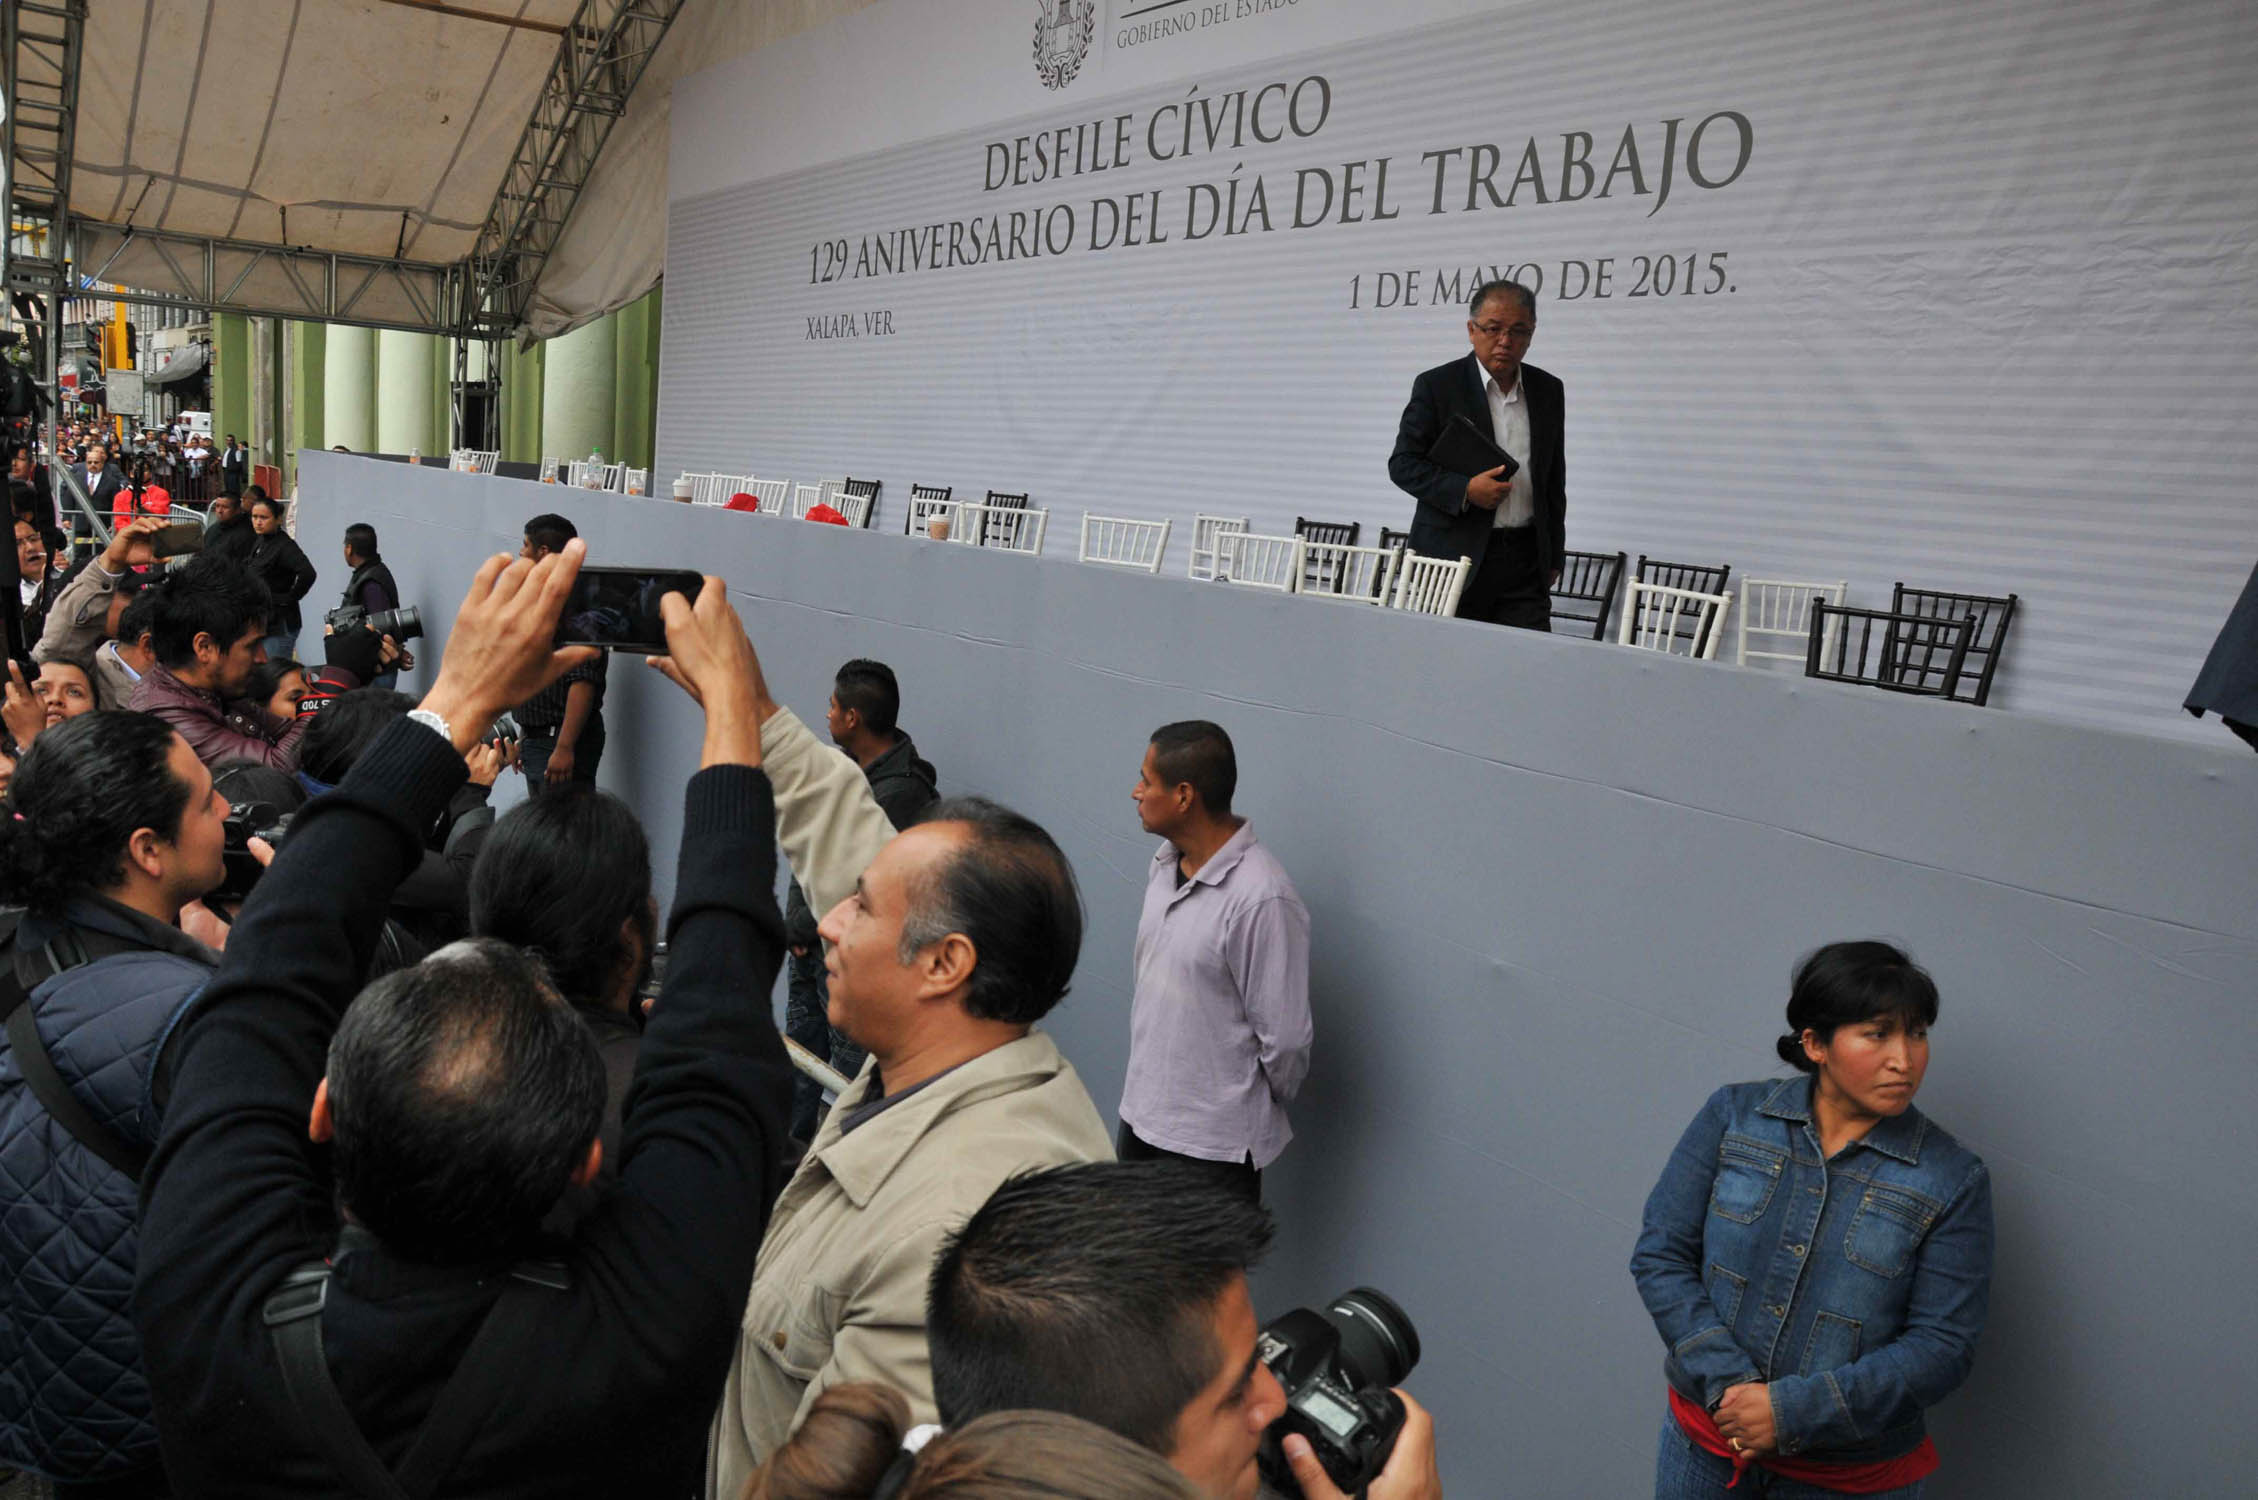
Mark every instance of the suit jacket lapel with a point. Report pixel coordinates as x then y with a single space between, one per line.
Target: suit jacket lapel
1479 388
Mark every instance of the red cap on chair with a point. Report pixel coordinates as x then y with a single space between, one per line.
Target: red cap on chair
827 515
743 501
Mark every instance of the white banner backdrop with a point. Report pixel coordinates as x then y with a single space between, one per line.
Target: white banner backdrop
1944 293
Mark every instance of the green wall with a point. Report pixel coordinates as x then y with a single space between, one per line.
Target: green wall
231 376
306 348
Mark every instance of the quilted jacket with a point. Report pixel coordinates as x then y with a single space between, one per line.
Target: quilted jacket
74 1402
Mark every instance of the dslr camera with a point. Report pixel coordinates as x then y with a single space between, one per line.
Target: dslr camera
402 624
242 868
1336 1365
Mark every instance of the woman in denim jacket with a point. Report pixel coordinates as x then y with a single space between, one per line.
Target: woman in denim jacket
1817 1255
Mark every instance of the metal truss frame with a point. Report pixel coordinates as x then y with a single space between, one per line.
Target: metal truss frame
605 50
41 44
218 275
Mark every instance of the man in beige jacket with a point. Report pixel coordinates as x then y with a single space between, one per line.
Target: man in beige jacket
944 945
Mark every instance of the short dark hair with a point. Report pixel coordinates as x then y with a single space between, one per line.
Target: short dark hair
210 596
550 531
251 783
1489 289
263 498
1199 753
559 876
1008 887
253 494
1843 984
139 617
870 690
79 793
1087 1289
361 537
346 728
464 1093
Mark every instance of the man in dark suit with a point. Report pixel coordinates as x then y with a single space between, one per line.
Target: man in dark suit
235 467
1515 530
101 481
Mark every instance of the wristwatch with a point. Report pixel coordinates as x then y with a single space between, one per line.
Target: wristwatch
432 721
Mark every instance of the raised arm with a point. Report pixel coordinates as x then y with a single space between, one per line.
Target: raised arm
702 1133
830 825
233 1195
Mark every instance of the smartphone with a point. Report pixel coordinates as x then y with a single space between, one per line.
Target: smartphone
618 608
178 538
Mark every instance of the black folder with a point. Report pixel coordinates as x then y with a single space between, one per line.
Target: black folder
1466 449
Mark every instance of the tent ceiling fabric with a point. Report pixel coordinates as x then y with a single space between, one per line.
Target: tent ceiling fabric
363 127
614 247
375 129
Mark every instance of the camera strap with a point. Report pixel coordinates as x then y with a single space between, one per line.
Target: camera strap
66 951
293 1319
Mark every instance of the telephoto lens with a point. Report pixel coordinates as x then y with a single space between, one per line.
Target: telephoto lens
1337 1367
402 624
1379 1346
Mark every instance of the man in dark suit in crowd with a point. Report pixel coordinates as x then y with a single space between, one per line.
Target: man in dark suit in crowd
101 481
1516 529
235 467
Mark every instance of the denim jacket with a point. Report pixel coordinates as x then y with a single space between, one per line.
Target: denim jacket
1855 1288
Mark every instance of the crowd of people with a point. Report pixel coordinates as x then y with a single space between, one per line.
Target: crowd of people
354 1139
143 470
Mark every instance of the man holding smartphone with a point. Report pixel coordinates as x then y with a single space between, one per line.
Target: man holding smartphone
563 724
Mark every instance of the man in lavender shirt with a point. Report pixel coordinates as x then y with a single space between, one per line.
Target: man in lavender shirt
1219 1029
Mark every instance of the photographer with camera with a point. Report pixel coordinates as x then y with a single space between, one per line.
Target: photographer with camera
433 903
207 633
370 589
319 1323
1117 1292
110 829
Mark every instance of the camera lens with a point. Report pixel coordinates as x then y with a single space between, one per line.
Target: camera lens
1378 1344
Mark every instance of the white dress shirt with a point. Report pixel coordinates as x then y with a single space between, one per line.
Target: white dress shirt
1509 424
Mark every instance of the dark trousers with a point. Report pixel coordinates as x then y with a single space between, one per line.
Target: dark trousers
537 745
1241 1177
1510 585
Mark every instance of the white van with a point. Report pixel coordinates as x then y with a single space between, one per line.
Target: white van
197 422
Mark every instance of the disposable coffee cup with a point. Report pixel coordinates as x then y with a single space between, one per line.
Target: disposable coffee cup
682 488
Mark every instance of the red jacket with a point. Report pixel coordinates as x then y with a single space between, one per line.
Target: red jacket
217 731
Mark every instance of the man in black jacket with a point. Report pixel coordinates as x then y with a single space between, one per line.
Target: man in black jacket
461 1097
235 467
1514 528
227 527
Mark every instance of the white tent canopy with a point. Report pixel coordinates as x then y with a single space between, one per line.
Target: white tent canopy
369 128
